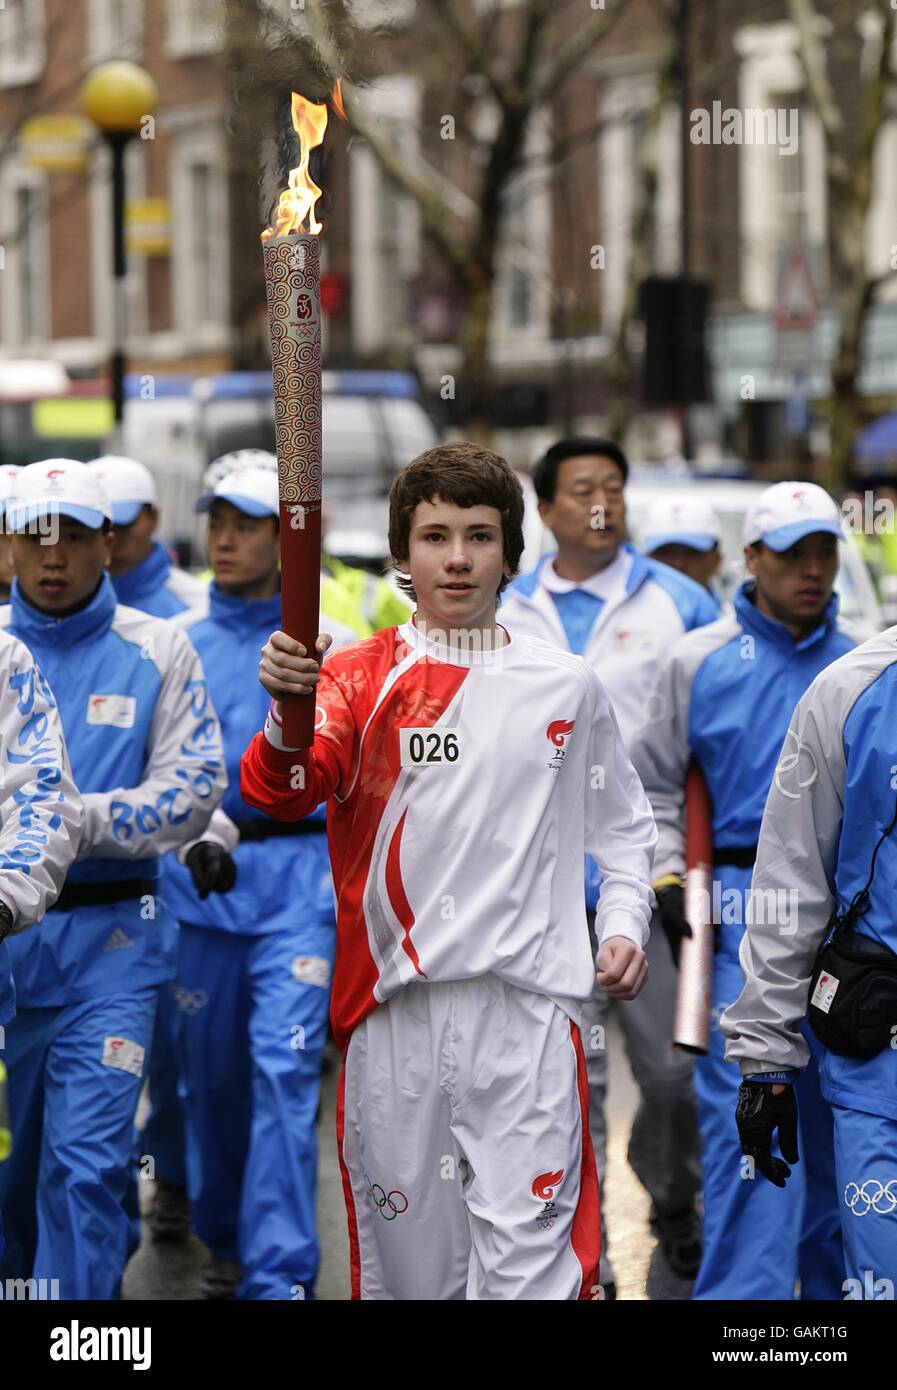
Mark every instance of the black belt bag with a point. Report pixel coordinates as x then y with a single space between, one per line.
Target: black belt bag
853 994
853 989
100 894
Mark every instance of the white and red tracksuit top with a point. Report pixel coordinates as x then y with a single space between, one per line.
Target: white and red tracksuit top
458 851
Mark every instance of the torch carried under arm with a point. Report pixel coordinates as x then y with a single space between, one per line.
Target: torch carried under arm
291 252
691 1031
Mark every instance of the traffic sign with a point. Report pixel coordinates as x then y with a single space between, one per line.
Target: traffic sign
797 305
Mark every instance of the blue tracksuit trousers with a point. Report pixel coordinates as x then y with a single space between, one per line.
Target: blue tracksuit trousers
758 1239
75 1074
252 1060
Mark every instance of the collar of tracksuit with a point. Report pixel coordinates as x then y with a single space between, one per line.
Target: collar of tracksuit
641 570
144 579
601 585
770 629
245 613
89 622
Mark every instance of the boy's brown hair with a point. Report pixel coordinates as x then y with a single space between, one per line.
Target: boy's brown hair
469 476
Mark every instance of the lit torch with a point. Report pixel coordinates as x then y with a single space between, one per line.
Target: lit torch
291 253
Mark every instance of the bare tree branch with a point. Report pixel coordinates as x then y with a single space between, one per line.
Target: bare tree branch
642 231
849 173
573 53
812 58
469 231
470 43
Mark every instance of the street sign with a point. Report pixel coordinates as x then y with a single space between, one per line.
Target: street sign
796 312
57 144
148 226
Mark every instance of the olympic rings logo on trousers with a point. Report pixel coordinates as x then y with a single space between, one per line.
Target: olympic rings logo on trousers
871 1195
389 1204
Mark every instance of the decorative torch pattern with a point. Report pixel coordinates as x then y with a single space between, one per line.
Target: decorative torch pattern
292 258
293 280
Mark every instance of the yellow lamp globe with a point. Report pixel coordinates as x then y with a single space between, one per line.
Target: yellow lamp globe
117 95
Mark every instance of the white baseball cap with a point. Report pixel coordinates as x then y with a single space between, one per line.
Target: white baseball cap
238 458
786 512
681 520
61 486
129 486
252 490
9 473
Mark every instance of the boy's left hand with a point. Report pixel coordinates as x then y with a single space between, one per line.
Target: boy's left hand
622 967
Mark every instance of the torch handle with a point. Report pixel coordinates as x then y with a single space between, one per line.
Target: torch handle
691 1030
300 585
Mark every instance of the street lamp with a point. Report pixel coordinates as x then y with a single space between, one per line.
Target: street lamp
117 97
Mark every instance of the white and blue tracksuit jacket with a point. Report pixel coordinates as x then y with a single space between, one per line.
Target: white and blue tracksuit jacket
724 697
840 754
832 799
40 806
628 636
631 633
147 759
159 587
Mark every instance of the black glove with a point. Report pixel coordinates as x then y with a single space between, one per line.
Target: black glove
671 906
6 921
758 1116
211 868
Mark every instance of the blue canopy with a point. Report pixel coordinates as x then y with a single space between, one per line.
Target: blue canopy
878 441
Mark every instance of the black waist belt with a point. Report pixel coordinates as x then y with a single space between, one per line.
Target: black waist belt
94 894
268 829
742 857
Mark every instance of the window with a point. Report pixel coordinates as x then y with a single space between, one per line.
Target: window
385 231
522 289
115 29
194 27
31 324
627 117
24 284
781 195
202 249
200 255
22 51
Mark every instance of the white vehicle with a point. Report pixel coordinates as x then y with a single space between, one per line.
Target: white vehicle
372 424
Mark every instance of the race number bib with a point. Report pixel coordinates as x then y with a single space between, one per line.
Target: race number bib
430 747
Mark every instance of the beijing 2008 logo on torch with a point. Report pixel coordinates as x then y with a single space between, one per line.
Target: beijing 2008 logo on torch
557 733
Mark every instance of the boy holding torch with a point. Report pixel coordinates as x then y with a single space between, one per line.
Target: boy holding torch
465 773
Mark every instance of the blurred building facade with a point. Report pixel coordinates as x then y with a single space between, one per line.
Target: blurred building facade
564 278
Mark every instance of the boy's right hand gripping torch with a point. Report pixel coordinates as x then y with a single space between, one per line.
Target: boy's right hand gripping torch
692 1026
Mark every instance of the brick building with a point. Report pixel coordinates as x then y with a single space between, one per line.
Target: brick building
197 303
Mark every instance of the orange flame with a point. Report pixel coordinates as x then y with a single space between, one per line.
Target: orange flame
336 100
298 199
